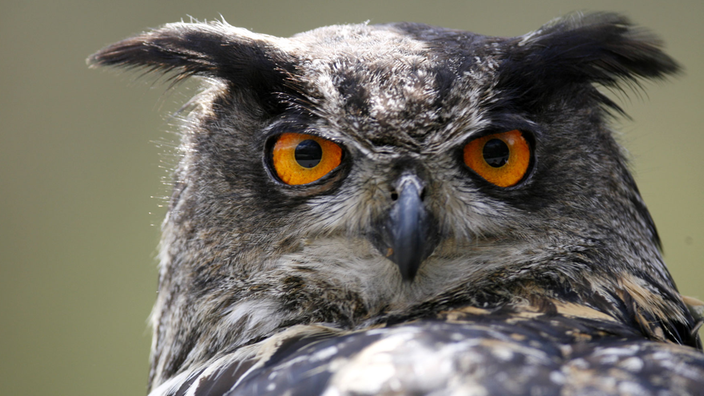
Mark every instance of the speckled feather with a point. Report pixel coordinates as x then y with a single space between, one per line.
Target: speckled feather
554 285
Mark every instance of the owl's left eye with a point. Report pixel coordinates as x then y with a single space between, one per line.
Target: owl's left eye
300 158
501 158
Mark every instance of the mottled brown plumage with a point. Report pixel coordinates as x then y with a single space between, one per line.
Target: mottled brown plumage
404 270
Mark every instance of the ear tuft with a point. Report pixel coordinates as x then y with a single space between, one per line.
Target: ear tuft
245 60
600 48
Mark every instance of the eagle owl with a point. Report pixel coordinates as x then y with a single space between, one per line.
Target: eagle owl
407 209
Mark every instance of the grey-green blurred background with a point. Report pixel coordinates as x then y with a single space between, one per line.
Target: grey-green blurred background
82 165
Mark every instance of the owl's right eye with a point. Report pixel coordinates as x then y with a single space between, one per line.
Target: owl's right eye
502 159
300 158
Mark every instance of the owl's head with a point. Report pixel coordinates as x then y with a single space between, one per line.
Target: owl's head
353 171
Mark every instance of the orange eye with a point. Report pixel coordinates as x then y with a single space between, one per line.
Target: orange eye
301 158
501 158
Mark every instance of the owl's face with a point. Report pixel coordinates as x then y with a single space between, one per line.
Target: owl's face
357 171
381 163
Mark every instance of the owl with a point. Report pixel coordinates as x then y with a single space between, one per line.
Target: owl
403 209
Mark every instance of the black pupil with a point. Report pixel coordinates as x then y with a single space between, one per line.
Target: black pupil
495 153
308 153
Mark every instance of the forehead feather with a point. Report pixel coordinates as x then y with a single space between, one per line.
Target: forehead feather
392 87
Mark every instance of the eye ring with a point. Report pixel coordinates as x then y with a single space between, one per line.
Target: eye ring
300 158
502 159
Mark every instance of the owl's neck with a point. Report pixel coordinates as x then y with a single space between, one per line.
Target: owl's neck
355 293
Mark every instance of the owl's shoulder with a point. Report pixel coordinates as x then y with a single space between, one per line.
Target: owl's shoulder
464 349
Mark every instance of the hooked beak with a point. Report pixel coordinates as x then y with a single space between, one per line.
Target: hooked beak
408 234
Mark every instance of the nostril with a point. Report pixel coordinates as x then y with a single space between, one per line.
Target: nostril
394 196
422 195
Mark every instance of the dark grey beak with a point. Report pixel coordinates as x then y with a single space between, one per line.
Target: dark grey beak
408 235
